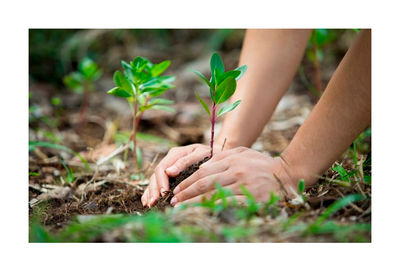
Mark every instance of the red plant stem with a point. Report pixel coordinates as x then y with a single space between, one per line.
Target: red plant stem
135 123
134 129
213 119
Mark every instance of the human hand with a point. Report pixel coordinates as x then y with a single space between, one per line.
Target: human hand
231 169
177 160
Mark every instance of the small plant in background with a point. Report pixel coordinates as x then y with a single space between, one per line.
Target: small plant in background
222 86
82 81
140 84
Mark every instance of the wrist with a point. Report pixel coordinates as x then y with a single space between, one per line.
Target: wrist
284 176
225 143
297 169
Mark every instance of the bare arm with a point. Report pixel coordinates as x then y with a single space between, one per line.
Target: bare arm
272 57
343 111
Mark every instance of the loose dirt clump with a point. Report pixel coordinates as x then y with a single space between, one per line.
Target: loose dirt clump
164 201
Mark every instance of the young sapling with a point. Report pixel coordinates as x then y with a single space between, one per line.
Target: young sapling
82 81
222 86
140 84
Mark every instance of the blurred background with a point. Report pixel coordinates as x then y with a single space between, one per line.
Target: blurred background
54 107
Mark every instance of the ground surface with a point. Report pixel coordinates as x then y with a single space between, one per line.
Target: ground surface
70 200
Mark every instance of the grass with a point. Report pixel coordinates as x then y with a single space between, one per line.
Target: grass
219 220
251 221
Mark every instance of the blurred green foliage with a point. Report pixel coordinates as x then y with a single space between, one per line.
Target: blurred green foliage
156 226
56 52
88 72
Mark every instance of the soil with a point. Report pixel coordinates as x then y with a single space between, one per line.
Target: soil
108 197
164 201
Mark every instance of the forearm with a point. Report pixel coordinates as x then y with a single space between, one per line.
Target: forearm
343 111
272 57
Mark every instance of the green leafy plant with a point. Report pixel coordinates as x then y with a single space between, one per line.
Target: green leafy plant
140 84
82 81
222 86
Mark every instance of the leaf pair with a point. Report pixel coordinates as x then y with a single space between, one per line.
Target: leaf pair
141 76
222 85
88 72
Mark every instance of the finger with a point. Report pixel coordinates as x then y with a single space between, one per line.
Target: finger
154 192
173 155
145 197
204 185
236 197
234 200
224 154
184 162
212 169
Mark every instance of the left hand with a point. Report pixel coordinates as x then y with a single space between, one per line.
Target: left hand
231 169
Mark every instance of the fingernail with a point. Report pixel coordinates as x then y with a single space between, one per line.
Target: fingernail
172 170
204 164
176 190
174 201
162 191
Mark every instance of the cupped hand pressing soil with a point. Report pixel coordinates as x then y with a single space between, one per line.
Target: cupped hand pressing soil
164 201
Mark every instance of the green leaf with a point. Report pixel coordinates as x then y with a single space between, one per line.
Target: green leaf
74 81
158 82
337 205
89 69
342 172
70 174
203 104
216 64
155 92
158 69
161 101
164 108
144 108
228 108
222 76
202 77
125 65
117 91
301 186
242 70
225 90
121 81
139 157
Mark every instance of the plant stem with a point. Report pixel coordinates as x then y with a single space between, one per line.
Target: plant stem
212 129
132 137
82 112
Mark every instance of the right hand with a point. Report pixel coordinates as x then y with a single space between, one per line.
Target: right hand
177 160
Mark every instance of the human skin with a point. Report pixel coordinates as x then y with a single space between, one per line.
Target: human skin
342 113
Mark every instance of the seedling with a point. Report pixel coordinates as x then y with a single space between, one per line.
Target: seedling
222 86
140 84
82 81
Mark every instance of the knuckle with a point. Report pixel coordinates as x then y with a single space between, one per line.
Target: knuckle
202 185
239 172
199 173
218 156
240 149
181 163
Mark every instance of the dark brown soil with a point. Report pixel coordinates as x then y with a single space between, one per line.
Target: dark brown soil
112 197
164 201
